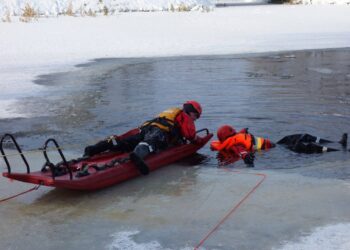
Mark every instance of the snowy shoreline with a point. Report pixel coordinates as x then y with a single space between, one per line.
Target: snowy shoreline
53 8
29 10
58 44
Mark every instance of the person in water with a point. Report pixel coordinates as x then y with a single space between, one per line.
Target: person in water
172 126
309 144
241 144
244 145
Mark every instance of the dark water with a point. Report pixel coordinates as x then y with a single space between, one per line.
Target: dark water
272 94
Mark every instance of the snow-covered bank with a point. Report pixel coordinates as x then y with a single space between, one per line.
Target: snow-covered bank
49 8
340 2
56 44
66 40
9 8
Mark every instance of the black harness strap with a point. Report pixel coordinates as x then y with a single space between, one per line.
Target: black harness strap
162 121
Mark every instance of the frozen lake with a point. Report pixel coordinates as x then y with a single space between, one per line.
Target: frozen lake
272 94
174 208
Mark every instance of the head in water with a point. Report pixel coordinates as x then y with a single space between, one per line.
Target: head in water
225 132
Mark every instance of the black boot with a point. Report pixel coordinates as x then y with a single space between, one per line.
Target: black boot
139 163
97 148
311 148
344 140
332 149
316 148
140 152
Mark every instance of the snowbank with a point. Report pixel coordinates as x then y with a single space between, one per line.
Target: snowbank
36 8
228 2
9 8
340 2
57 44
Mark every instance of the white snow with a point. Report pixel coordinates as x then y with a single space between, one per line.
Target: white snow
56 44
93 7
10 8
241 1
124 241
323 1
332 237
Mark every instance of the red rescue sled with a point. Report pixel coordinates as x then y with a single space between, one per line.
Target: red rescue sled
99 171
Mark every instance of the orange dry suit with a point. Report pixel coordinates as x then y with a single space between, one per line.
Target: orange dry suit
241 144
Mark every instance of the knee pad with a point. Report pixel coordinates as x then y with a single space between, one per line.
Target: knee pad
143 149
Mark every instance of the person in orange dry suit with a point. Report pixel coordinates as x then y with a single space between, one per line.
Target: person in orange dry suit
241 144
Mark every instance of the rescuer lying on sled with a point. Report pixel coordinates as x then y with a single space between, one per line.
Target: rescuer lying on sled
171 126
242 144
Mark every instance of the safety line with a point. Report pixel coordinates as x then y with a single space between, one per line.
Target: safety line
48 149
24 192
222 221
30 151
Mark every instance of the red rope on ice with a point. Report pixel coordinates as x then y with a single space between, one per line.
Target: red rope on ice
14 196
222 221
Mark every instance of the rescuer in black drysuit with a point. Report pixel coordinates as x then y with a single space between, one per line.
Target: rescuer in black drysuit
309 144
169 127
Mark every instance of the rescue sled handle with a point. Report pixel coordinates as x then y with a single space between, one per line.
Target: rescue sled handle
48 162
203 129
18 149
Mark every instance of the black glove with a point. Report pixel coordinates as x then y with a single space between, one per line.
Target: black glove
249 158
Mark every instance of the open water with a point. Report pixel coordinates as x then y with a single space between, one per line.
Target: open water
273 94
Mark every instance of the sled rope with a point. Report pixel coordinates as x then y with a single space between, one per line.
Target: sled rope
37 150
42 150
24 192
234 208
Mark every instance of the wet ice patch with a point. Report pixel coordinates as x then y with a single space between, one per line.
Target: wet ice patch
7 110
333 114
333 237
322 70
289 56
124 241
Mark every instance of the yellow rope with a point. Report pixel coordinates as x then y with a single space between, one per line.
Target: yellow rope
31 151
